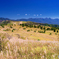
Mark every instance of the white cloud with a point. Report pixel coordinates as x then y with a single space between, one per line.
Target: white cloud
25 14
18 14
40 14
34 15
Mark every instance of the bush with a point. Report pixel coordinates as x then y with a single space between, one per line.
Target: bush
48 28
54 30
30 26
10 26
38 39
23 25
12 30
7 30
41 27
28 30
50 34
44 28
44 31
40 31
2 26
55 33
37 26
24 28
34 26
34 31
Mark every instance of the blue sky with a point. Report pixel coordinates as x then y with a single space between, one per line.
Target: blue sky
16 9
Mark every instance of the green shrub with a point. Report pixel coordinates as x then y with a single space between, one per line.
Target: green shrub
41 27
54 30
12 30
23 25
41 31
30 26
55 33
34 31
28 30
44 31
35 26
2 26
10 26
24 28
7 30
44 28
38 39
50 34
48 29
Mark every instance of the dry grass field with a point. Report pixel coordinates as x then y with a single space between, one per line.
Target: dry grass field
17 42
31 35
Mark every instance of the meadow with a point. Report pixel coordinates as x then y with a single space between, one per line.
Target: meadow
26 42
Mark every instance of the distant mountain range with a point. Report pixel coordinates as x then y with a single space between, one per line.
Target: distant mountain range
39 20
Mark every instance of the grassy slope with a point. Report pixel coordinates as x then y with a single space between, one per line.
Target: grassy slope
27 49
31 35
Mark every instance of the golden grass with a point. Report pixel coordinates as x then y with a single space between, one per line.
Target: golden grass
28 50
31 35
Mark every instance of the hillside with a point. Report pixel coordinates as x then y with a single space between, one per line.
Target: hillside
28 40
30 30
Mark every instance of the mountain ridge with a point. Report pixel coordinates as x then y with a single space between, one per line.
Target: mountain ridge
38 20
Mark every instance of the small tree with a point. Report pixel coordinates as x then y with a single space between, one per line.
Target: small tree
44 31
44 28
12 30
37 26
57 31
23 25
2 26
48 28
41 27
34 26
54 30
